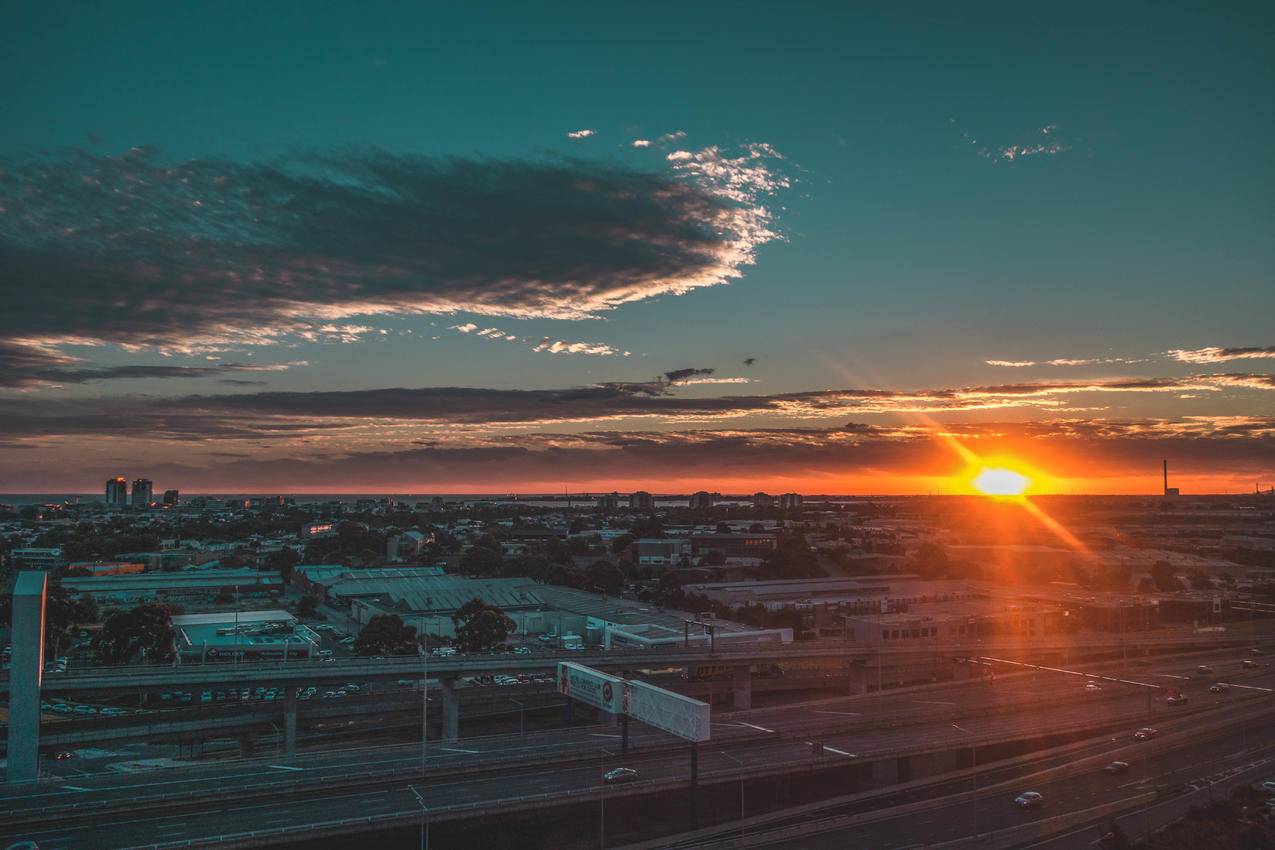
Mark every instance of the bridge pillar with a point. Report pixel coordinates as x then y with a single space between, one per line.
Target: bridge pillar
451 711
290 720
742 688
25 669
858 676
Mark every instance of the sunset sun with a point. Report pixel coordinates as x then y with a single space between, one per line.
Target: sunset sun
994 481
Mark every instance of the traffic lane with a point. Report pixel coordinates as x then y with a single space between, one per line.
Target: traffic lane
846 742
977 698
995 810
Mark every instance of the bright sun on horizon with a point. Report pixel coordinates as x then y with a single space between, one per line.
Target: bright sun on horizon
996 481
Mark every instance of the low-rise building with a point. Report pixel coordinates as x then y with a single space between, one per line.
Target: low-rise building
173 587
247 635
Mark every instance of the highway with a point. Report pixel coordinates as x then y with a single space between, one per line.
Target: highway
497 771
988 818
359 669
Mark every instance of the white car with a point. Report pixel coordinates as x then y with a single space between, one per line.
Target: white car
1093 687
1269 786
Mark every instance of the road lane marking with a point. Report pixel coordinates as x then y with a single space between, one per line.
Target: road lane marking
602 735
751 726
855 713
457 750
933 702
1248 687
840 752
283 767
75 788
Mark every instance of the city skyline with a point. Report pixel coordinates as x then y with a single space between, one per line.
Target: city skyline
386 250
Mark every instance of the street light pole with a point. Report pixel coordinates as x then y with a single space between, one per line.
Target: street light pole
424 710
974 765
424 819
602 817
741 792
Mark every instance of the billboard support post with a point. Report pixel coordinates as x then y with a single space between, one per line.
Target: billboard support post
694 784
624 733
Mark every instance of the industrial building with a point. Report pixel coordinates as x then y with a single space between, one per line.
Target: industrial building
173 587
247 635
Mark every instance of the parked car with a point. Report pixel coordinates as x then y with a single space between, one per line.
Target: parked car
1116 767
1203 670
1248 663
1177 699
1219 688
619 774
1093 687
63 755
1029 800
1268 786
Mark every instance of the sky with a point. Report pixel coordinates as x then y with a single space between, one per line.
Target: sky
383 247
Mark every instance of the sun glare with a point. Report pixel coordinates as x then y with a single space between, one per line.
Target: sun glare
1001 482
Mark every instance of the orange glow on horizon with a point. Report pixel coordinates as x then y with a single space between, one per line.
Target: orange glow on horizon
997 481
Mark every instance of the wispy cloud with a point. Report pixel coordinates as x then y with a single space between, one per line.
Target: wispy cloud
1063 361
1213 354
1043 141
560 346
581 134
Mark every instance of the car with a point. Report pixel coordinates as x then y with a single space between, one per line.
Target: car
352 687
61 708
1268 786
166 697
23 845
325 653
347 641
1029 800
1254 651
1116 767
1093 687
619 774
1176 699
63 755
111 711
206 696
1248 663
522 650
187 697
1203 670
1219 688
232 695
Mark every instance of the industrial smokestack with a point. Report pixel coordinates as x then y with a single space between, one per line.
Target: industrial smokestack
1166 476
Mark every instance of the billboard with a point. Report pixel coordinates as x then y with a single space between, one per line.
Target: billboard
685 717
591 686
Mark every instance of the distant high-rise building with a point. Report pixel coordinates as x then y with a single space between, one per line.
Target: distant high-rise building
608 501
117 491
172 498
789 501
763 500
641 501
701 500
142 492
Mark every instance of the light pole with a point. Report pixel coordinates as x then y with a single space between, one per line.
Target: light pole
741 792
602 822
424 818
974 766
522 715
424 710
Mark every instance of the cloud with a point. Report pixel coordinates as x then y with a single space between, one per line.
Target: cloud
581 134
139 251
1213 354
1044 141
748 361
468 327
1062 361
823 458
26 368
559 346
690 381
681 375
356 415
641 143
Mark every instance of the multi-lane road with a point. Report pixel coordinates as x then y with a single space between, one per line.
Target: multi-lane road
496 772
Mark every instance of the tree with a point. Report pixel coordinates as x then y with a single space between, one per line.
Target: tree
145 631
308 605
481 627
480 561
604 577
1163 576
621 543
386 634
282 562
669 589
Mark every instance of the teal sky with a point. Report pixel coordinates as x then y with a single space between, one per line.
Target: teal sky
966 183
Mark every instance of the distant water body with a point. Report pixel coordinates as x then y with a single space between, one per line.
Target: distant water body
536 500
